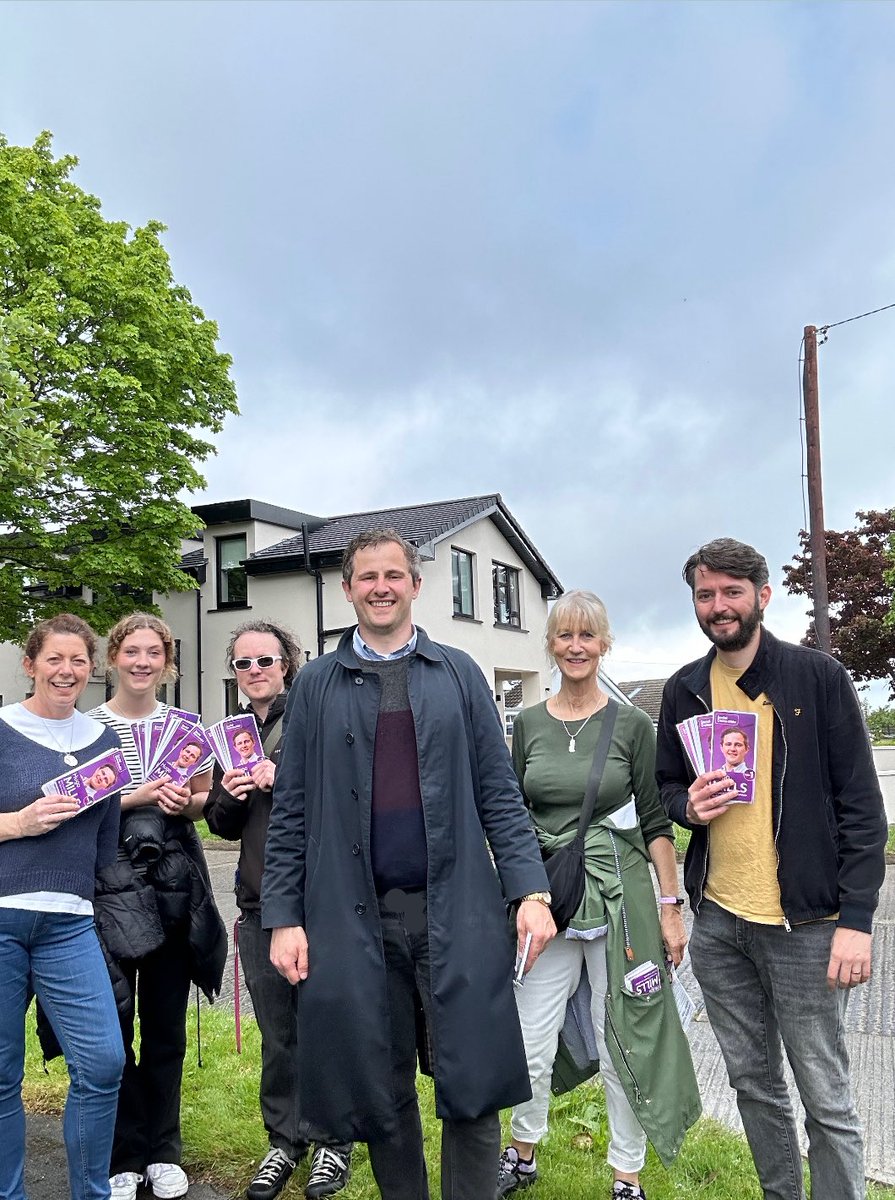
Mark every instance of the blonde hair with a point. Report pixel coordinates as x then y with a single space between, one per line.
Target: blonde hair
578 610
130 624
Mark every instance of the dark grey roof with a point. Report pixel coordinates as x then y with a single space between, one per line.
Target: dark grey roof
646 694
423 524
223 512
193 558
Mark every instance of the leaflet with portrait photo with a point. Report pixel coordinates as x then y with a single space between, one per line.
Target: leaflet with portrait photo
92 781
236 741
183 757
734 748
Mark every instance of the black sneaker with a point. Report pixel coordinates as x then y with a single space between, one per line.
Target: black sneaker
622 1190
514 1172
330 1172
271 1177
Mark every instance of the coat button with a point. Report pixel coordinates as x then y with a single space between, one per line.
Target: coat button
355 849
354 793
359 680
360 909
349 738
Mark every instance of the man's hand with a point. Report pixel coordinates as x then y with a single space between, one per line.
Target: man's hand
535 918
850 959
238 783
263 774
708 796
289 952
44 814
674 931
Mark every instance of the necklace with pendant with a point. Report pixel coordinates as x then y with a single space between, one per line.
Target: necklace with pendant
67 757
574 736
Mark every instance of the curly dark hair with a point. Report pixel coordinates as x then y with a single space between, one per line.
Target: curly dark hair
289 645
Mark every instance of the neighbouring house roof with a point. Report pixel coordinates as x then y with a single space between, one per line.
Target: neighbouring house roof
423 524
646 694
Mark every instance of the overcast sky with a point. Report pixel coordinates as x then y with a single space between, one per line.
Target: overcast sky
560 251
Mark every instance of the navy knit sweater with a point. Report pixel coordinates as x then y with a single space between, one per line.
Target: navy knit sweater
67 858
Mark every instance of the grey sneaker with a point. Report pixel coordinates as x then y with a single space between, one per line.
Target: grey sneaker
622 1190
514 1172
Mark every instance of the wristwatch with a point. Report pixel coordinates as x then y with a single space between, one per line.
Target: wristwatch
671 899
541 897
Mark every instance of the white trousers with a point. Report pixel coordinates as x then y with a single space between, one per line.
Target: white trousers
542 1008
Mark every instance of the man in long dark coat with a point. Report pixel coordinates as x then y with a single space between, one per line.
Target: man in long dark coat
385 905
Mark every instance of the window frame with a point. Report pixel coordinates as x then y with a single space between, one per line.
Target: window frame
458 555
222 581
506 580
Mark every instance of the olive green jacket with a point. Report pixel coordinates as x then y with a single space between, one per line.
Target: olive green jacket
647 1045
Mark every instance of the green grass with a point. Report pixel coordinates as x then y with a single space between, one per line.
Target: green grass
224 1138
890 844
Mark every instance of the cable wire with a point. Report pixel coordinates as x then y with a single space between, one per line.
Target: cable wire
873 312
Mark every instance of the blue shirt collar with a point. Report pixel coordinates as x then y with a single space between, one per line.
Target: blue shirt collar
362 650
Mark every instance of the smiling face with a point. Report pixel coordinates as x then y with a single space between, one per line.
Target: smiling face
728 609
733 747
382 591
260 685
577 653
190 754
140 663
103 777
245 744
60 671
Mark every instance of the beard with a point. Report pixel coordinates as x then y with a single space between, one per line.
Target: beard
734 637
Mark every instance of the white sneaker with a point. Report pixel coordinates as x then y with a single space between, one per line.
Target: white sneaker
167 1180
124 1186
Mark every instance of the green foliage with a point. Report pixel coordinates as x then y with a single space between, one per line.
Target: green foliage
860 583
881 723
109 374
224 1138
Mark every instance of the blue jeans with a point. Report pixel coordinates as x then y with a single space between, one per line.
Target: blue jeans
764 986
57 955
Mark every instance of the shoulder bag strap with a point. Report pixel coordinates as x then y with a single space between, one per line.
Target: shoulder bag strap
596 770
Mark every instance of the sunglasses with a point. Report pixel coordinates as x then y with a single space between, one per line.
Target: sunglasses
263 660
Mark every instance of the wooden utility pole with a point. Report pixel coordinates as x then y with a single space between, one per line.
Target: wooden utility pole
817 542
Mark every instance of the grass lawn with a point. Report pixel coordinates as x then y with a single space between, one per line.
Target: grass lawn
224 1138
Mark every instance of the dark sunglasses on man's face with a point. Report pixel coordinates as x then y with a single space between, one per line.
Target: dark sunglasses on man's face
263 660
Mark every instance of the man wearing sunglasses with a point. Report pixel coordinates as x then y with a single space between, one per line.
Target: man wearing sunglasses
264 660
385 905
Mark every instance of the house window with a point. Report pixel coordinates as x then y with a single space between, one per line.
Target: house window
506 595
462 570
231 552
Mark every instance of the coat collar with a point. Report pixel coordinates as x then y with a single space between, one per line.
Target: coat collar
757 677
425 648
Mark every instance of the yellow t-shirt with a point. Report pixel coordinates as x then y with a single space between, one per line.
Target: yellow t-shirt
742 874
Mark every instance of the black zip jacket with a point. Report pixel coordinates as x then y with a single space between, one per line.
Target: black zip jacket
246 820
829 822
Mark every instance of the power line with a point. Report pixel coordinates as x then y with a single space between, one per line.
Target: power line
823 328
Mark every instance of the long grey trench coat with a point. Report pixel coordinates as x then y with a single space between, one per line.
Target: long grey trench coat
318 876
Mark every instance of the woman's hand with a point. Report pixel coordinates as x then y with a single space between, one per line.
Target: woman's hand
174 797
147 793
674 931
45 814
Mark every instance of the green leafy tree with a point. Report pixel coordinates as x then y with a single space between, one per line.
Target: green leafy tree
881 723
109 376
860 593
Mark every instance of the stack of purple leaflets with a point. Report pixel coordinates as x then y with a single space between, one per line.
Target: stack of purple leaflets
724 740
153 737
92 781
178 749
236 742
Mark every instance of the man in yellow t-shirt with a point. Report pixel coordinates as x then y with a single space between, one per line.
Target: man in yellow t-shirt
783 888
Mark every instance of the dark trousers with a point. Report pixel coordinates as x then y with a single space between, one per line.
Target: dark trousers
470 1150
147 1128
274 1001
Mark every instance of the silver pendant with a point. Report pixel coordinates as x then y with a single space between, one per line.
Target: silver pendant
69 760
571 745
